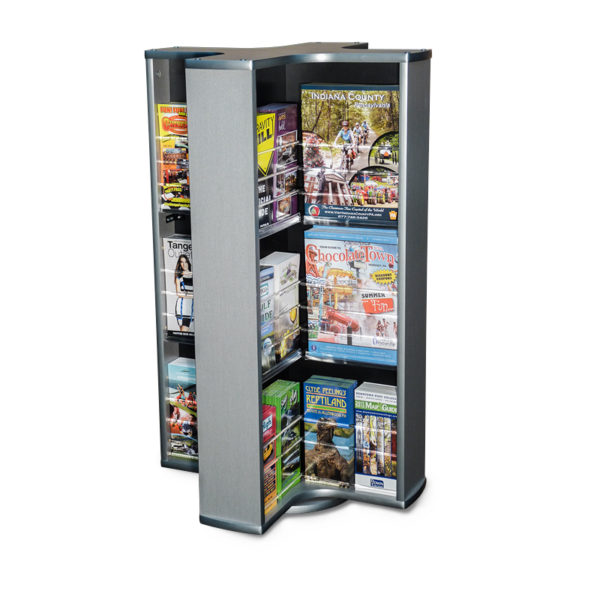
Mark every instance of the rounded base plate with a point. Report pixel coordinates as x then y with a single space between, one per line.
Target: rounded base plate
314 505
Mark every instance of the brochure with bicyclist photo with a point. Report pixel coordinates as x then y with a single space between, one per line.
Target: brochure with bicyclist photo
350 152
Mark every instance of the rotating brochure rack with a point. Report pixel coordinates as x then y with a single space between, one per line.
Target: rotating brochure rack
308 173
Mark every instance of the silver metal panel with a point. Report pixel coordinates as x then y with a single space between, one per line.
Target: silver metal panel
222 131
414 165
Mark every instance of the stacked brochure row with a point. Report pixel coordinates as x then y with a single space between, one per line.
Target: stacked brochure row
279 309
340 434
282 440
276 142
173 156
179 286
350 434
182 424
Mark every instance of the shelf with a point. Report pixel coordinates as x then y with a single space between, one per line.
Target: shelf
179 340
351 363
175 213
279 226
281 366
309 221
181 464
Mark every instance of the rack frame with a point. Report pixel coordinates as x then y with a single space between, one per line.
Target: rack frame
224 88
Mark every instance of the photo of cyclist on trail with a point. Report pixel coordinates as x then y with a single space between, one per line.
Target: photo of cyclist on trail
347 142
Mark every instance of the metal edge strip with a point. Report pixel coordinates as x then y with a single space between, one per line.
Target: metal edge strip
402 199
257 240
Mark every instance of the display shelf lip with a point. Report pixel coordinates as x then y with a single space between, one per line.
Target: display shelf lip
184 210
172 462
376 235
189 339
320 283
350 363
279 226
355 336
281 366
333 222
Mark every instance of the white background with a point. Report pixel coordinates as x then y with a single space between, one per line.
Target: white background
511 507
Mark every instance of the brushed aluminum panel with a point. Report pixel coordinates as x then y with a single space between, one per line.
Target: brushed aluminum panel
222 130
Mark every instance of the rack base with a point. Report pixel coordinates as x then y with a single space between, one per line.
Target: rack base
314 505
312 499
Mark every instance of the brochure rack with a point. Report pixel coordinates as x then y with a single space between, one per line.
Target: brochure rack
224 88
